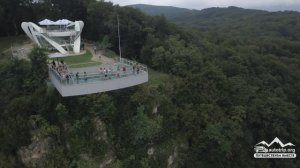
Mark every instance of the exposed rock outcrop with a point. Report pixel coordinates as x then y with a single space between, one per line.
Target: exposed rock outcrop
35 154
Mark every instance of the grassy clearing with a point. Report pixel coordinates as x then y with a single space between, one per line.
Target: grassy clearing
78 59
88 64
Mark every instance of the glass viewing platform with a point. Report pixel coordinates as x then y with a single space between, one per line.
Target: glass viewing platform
95 79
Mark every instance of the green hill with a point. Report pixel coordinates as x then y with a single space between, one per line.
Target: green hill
224 80
167 11
233 21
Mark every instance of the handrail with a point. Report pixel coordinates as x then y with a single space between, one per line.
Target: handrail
130 62
71 78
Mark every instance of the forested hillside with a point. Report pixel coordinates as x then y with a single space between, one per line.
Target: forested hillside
214 91
168 11
232 19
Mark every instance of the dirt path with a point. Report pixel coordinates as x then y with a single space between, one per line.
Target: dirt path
99 57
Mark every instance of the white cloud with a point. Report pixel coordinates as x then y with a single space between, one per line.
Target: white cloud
200 4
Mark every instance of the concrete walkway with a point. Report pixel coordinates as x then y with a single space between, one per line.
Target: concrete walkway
99 57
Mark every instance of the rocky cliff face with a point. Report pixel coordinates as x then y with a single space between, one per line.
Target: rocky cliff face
35 154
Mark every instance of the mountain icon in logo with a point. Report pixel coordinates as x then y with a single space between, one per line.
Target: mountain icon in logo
276 140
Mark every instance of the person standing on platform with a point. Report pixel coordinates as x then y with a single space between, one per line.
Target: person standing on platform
67 77
138 68
77 77
85 76
118 72
133 69
124 70
95 49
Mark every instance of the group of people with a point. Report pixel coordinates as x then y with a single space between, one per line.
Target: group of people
122 70
136 68
107 71
61 68
79 76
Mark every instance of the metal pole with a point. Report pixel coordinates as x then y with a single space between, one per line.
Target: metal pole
120 52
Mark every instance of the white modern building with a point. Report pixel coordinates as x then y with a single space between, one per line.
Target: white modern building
62 35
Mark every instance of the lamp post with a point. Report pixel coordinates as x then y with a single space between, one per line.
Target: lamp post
120 51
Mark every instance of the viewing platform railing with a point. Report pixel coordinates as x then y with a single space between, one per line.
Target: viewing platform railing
109 74
125 73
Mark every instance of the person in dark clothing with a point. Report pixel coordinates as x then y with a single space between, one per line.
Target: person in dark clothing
77 77
53 64
67 77
85 76
138 69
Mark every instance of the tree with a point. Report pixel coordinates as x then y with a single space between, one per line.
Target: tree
105 44
144 129
62 112
56 158
39 69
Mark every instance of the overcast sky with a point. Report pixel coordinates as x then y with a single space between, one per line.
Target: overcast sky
200 4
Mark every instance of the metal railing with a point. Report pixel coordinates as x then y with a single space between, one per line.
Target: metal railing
132 63
121 69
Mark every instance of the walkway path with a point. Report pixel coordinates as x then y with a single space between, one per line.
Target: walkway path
21 51
99 57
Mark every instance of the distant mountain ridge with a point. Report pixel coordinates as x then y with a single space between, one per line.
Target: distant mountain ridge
168 11
235 21
178 14
171 11
199 18
274 8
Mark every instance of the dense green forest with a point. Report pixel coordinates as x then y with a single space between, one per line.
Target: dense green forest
169 12
224 82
